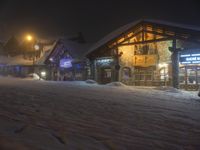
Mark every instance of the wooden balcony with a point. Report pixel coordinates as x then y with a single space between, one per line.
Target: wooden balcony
145 60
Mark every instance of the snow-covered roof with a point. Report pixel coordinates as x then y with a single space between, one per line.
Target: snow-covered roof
127 27
20 60
47 52
17 60
76 50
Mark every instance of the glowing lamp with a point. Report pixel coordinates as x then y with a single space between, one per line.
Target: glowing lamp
43 74
29 38
36 47
51 59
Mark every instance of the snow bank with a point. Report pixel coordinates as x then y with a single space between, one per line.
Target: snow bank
116 84
168 89
33 76
89 81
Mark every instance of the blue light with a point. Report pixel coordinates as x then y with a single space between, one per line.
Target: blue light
78 66
65 63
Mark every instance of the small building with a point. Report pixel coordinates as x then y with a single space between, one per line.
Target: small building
148 53
16 66
65 61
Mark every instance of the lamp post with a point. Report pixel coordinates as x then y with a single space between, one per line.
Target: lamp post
35 48
31 44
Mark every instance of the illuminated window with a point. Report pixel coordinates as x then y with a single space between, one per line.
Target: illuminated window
143 74
164 74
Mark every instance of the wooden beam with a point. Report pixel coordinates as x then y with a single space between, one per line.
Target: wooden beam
175 37
127 39
145 42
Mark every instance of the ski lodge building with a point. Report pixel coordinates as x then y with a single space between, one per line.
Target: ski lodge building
148 53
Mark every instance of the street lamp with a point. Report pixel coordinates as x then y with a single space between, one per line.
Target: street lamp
29 38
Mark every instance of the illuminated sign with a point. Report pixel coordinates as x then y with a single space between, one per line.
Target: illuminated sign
65 63
190 58
105 60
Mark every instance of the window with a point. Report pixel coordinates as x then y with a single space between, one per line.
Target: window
198 75
163 74
182 75
191 76
143 74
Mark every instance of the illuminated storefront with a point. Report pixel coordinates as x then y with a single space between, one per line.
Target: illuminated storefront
147 53
65 61
189 73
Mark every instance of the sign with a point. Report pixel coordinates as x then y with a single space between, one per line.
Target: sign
65 63
105 60
190 58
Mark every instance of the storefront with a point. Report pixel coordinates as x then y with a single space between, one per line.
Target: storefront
65 61
104 69
189 73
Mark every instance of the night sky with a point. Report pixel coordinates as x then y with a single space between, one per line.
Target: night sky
93 18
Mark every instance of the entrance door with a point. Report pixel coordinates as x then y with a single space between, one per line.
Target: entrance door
106 75
189 77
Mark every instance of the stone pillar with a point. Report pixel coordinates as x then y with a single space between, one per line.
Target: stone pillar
175 65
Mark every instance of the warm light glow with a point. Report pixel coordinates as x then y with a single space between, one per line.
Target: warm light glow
164 65
43 73
29 38
36 47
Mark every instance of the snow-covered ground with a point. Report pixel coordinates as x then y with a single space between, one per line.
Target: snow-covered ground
41 115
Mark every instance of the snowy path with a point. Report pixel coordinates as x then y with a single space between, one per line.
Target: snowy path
40 115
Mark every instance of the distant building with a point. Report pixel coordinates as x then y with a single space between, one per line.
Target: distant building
148 53
65 61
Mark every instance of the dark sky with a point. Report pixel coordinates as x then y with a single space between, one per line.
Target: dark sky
93 18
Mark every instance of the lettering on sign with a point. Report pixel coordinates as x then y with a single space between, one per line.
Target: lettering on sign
190 58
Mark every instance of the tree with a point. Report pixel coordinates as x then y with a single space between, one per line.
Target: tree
12 47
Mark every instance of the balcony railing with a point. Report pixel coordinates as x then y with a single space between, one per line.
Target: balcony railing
145 60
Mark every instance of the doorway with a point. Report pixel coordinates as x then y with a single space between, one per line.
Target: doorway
106 75
189 77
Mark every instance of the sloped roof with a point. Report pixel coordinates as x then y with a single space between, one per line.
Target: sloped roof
76 50
47 52
127 27
20 60
17 60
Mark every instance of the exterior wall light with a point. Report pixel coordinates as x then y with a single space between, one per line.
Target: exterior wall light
36 47
43 74
51 59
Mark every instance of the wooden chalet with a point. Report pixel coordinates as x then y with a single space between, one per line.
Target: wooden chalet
148 53
65 61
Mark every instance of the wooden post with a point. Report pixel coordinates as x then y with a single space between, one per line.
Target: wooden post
175 65
117 66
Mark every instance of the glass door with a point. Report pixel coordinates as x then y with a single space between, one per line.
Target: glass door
191 75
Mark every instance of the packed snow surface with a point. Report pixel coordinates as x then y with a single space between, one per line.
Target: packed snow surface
116 84
41 115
